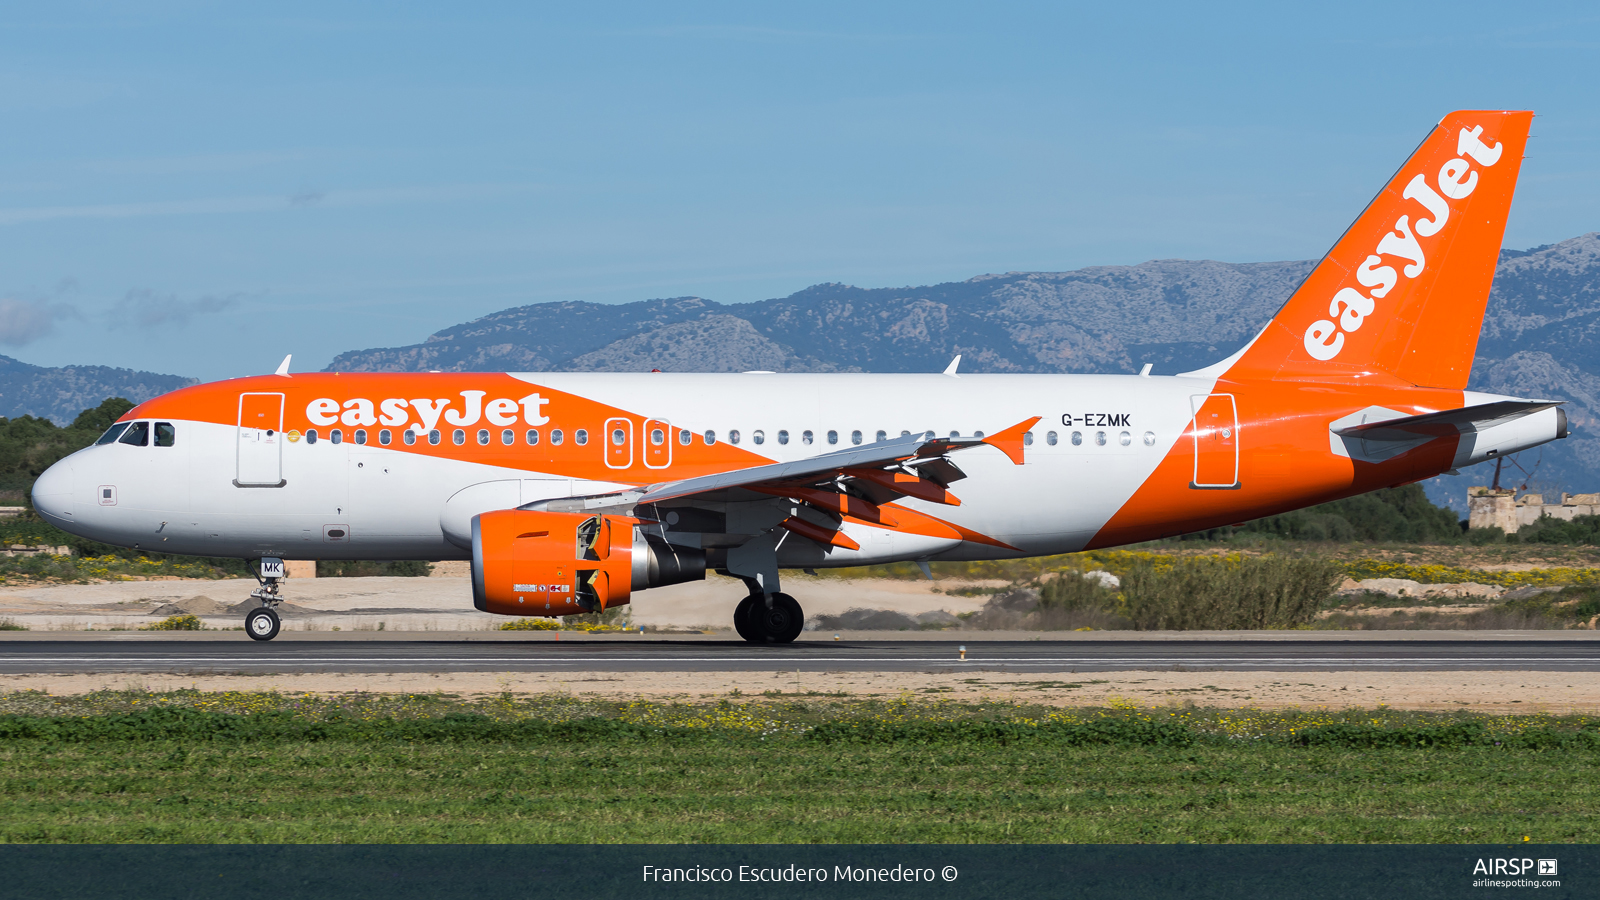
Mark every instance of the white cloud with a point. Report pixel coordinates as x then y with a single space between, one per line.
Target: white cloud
147 309
26 321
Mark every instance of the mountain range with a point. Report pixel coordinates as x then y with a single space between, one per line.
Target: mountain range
1540 338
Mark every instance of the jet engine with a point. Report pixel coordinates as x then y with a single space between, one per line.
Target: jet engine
538 563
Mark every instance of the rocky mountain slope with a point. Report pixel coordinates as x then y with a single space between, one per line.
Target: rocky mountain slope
59 394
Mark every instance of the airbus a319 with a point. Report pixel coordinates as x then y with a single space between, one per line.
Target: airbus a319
570 493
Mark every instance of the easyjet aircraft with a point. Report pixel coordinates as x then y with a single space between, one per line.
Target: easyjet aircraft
571 492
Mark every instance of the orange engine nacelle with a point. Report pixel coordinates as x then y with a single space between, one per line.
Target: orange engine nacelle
536 563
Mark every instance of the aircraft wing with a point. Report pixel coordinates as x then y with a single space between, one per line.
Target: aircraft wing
1447 422
897 452
851 483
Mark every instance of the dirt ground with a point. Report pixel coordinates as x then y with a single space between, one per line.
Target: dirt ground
437 604
1504 692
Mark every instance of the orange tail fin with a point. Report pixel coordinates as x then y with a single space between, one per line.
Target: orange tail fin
1403 291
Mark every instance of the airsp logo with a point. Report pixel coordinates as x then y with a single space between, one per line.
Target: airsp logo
1513 867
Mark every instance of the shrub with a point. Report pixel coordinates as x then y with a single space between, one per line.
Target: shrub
1229 592
9 624
532 625
1547 530
175 623
1072 591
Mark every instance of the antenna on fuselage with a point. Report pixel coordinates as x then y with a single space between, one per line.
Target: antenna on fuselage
283 367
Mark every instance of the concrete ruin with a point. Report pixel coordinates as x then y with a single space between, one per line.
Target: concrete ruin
1503 508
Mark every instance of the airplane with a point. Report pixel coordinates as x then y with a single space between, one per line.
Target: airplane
571 492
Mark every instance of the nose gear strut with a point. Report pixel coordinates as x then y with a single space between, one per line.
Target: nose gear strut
262 623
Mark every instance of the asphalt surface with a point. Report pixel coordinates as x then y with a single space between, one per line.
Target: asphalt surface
246 657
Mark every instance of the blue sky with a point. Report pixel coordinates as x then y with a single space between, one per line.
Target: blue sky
200 189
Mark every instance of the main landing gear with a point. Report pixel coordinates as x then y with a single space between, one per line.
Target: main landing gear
262 623
768 618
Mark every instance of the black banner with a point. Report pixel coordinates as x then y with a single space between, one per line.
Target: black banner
1013 872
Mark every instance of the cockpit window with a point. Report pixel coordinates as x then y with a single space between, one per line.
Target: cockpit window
137 435
166 435
113 433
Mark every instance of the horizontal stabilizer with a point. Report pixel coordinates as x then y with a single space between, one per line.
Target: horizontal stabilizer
1447 422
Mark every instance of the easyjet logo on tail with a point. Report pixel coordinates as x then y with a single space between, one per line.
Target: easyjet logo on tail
1403 244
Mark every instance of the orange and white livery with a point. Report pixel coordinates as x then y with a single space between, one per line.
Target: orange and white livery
571 492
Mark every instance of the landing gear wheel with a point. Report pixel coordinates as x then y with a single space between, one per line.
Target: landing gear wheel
261 624
761 623
742 620
782 621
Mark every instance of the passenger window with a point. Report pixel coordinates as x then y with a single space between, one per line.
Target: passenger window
434 436
311 435
113 433
1124 439
833 437
384 437
805 437
361 435
1027 439
955 435
1050 438
855 437
684 437
657 437
977 435
483 437
581 436
166 435
336 436
1149 438
508 437
459 437
618 436
556 437
733 436
532 437
409 436
1100 438
758 436
711 438
1077 438
905 433
883 435
783 437
137 435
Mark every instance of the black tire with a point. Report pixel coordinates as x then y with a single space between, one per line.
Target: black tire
779 623
262 624
742 620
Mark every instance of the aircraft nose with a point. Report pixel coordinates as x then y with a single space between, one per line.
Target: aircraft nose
52 494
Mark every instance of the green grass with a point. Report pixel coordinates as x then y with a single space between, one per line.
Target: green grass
247 767
364 768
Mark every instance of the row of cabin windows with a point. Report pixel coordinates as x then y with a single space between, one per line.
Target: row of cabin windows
619 437
138 434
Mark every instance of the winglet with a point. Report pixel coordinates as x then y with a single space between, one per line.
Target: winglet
283 367
1009 441
951 369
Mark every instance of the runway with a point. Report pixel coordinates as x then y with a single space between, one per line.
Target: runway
933 656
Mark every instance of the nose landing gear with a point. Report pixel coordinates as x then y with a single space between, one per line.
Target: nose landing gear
262 623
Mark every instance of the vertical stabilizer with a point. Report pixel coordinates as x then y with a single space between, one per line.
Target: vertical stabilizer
1402 293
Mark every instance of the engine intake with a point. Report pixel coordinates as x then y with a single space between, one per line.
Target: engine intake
538 563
